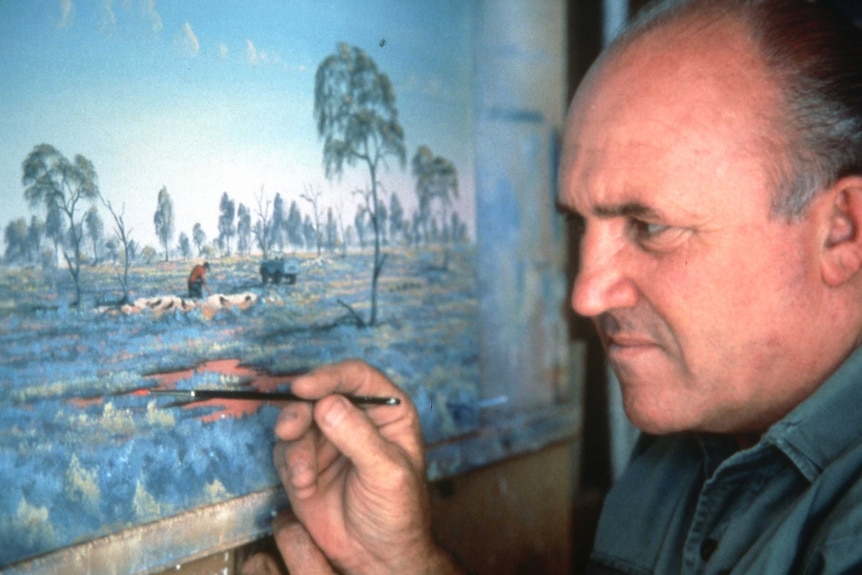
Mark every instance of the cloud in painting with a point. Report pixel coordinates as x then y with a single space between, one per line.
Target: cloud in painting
107 17
255 56
153 15
188 40
251 54
223 51
67 12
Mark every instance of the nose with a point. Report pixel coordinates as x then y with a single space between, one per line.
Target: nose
604 281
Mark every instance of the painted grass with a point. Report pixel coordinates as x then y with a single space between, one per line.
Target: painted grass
81 457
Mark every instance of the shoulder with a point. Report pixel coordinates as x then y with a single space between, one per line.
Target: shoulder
834 538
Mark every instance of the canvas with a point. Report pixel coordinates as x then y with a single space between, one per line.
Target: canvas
318 156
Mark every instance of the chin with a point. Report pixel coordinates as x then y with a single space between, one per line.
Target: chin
656 421
653 427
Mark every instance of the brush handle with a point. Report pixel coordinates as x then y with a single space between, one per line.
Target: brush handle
204 394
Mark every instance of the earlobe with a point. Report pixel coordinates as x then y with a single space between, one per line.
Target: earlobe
842 248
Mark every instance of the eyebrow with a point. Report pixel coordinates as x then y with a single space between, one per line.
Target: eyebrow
625 210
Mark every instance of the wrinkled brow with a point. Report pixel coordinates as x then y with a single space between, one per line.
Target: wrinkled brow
625 210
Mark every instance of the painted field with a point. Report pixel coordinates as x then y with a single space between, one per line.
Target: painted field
84 452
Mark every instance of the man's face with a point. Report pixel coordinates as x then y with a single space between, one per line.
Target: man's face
701 297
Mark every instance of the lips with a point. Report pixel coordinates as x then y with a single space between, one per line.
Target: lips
628 341
625 337
626 348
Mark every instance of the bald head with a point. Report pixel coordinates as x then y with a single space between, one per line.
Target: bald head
815 62
690 85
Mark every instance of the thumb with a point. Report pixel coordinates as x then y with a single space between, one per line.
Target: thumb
352 433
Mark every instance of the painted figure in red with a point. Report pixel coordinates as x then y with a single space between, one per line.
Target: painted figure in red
197 280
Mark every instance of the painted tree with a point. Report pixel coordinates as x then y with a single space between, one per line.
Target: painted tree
279 223
243 229
356 115
331 231
382 215
343 229
112 250
184 245
134 251
23 241
312 196
16 242
130 248
360 222
263 228
293 227
34 237
95 230
226 230
396 218
436 181
149 255
60 186
55 229
164 220
199 237
309 233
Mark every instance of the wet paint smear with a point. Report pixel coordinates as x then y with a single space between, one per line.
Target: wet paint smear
217 409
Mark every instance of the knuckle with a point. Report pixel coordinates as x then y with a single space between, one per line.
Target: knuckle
400 475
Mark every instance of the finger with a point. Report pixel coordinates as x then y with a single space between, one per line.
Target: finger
293 421
350 377
296 464
397 423
300 553
260 564
367 434
295 455
352 433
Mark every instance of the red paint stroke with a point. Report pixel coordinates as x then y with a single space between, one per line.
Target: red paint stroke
236 408
85 402
224 408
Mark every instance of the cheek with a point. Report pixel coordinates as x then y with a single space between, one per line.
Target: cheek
731 309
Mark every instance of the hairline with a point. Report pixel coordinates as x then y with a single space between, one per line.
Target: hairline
783 159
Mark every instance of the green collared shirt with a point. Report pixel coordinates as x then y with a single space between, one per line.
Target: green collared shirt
791 504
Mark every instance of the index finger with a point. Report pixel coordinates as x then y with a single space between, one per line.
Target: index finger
349 377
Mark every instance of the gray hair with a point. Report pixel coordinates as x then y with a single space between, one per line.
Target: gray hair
816 58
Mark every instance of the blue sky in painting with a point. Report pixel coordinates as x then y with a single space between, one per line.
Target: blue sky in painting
210 97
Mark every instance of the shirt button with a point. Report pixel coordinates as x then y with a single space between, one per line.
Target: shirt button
707 548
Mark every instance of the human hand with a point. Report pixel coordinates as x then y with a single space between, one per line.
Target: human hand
355 478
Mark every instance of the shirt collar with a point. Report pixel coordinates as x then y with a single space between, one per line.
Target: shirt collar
825 425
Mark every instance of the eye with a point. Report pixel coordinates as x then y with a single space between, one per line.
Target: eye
655 237
647 230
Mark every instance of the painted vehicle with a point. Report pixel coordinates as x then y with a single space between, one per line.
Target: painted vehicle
277 269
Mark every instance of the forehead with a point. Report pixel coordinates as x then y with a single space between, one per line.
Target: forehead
683 103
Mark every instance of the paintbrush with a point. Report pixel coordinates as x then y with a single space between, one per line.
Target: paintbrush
204 394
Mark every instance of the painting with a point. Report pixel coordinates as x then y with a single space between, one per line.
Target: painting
219 195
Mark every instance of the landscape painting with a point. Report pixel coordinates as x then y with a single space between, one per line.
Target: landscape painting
219 195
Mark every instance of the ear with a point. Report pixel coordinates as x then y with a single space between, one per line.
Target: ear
842 248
